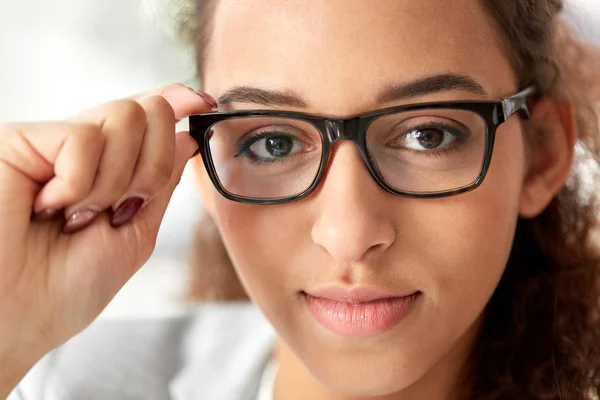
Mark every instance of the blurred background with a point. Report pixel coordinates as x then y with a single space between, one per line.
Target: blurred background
58 57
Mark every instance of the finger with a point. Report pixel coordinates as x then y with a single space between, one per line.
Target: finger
61 157
185 101
182 100
155 162
150 218
139 236
30 156
123 124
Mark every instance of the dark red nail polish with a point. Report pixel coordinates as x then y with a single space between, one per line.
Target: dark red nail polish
79 220
208 98
127 211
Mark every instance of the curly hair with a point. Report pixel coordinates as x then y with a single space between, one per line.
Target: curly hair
540 337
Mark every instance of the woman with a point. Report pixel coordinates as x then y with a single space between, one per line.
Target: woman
403 211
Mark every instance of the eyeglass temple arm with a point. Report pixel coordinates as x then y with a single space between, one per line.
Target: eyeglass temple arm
518 102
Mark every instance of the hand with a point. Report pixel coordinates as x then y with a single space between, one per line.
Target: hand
81 202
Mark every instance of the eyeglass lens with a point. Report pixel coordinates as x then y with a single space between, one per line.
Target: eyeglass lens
420 151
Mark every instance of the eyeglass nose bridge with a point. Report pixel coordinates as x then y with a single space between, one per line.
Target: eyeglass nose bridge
353 130
341 129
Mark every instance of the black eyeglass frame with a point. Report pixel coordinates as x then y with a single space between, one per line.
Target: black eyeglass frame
354 128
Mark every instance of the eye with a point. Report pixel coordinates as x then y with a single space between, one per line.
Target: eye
428 138
270 145
274 147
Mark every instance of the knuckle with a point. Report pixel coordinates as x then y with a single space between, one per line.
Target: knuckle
130 111
160 106
88 140
90 133
94 144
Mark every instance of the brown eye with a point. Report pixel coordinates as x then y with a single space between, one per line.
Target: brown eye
429 138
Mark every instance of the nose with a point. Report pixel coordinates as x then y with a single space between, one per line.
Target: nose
354 220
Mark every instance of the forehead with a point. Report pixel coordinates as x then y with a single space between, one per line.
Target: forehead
333 50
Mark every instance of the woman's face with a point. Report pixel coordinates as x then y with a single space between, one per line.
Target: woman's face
337 56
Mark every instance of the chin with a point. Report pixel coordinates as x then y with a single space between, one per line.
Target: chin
371 386
370 378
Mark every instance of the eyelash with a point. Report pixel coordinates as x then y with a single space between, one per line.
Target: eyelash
458 135
453 130
244 145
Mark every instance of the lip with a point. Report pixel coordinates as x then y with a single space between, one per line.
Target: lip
356 295
359 312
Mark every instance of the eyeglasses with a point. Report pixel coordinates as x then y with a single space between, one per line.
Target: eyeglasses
426 150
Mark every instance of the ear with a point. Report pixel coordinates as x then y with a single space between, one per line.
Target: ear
205 185
550 157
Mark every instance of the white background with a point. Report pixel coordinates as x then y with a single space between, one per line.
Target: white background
58 57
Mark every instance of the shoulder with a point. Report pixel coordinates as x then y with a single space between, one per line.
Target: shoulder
146 358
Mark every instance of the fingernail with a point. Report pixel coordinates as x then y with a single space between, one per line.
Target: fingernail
127 210
186 86
208 98
47 214
79 220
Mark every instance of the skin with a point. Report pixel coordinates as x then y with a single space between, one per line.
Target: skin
337 56
55 278
52 283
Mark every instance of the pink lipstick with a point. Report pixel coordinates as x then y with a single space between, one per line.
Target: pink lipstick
360 312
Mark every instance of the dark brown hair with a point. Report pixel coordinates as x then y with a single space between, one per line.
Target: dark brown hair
540 337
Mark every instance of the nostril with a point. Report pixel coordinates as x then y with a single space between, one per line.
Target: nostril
353 239
374 251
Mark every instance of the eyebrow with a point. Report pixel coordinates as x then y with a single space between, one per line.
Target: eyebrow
429 85
249 94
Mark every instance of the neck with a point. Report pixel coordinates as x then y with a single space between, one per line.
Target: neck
443 382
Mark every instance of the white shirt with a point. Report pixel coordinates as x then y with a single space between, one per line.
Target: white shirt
267 382
219 351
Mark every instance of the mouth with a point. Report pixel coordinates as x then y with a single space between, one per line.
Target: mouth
359 313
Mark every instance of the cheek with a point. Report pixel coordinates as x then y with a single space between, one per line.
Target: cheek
458 245
454 250
470 238
262 242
